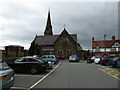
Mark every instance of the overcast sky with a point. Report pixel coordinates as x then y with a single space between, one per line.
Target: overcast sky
21 20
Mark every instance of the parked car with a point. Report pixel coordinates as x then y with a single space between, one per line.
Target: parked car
97 59
118 63
61 57
6 76
115 62
106 60
73 58
51 58
29 64
90 60
49 62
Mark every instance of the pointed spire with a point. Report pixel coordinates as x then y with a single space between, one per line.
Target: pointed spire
48 29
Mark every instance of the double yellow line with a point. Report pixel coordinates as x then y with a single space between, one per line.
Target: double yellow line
109 71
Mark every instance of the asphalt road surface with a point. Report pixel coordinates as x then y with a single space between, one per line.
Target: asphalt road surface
78 75
69 75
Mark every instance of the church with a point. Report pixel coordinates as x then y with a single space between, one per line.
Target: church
64 44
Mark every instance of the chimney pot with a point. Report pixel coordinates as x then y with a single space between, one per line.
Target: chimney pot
113 37
93 39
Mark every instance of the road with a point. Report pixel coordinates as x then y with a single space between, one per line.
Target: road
78 75
70 75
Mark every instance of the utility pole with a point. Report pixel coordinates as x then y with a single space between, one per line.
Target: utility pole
104 43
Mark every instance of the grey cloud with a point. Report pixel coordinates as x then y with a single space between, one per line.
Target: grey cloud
85 19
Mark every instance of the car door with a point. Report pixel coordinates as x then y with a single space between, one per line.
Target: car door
20 64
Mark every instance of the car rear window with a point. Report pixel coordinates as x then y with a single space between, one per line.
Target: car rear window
3 66
73 56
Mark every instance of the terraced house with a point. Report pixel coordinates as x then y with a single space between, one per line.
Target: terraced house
64 44
106 47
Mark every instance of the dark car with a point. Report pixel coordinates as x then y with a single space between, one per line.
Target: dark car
114 62
90 60
106 60
29 64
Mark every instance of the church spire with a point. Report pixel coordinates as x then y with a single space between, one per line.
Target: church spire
48 29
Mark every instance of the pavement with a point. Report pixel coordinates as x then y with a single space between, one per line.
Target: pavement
70 75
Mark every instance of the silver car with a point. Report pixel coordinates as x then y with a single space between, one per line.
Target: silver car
6 76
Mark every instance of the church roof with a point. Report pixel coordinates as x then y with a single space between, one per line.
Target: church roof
50 39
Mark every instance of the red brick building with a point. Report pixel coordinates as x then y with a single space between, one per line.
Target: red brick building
14 48
106 47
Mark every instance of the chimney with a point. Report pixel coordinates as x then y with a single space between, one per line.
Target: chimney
93 39
113 38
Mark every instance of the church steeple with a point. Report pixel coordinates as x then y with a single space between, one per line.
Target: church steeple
48 29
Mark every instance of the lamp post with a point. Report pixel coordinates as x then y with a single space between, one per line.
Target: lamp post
104 43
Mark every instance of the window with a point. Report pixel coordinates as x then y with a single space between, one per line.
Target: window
102 50
60 52
108 50
4 66
69 52
32 60
119 49
97 50
113 49
21 60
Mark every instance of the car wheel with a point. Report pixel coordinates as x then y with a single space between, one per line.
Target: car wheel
33 70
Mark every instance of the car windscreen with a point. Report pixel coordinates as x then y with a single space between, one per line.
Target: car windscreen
3 66
116 58
73 56
19 60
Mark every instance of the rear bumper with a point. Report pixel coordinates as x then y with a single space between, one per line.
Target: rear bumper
103 62
73 60
113 64
8 83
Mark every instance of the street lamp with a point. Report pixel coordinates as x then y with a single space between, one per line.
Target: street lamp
104 43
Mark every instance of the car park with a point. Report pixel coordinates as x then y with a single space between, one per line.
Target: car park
6 76
29 64
50 58
115 62
73 58
106 60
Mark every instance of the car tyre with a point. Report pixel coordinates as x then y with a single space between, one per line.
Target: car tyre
33 70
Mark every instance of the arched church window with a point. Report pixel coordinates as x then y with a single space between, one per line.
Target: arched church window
65 42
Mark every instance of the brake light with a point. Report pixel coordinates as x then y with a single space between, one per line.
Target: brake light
103 58
3 77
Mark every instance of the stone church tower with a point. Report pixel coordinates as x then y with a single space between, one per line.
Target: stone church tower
48 29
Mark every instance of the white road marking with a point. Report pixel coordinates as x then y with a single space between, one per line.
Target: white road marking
28 75
18 88
43 78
